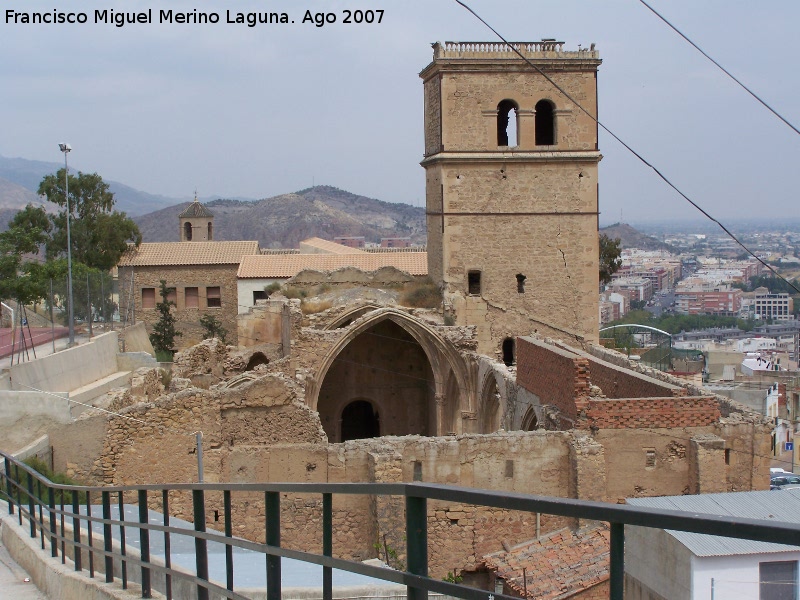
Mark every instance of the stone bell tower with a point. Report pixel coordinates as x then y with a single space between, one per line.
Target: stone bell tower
511 188
197 223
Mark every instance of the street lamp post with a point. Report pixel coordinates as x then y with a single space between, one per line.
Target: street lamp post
65 148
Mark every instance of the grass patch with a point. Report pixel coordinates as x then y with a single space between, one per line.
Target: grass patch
424 293
310 308
43 469
292 292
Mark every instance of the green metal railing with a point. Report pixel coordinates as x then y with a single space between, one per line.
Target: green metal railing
46 506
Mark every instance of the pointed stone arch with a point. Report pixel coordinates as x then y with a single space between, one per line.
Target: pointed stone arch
490 411
450 386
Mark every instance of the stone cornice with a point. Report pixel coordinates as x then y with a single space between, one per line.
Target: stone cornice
521 156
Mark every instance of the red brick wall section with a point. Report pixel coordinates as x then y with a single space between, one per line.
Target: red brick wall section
638 413
558 377
598 591
621 383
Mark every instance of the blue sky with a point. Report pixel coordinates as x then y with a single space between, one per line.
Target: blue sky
255 112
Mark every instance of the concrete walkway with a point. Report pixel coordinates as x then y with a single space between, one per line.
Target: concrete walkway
12 580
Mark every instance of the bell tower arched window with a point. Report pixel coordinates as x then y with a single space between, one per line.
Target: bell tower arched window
209 231
545 123
507 130
187 232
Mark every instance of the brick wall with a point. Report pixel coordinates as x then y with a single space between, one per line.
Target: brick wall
558 377
634 413
617 382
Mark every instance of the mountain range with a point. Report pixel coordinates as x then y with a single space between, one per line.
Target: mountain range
283 221
277 222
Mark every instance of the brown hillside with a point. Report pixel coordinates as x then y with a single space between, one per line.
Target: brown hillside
283 221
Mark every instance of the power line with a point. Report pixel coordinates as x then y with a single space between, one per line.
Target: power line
629 148
720 67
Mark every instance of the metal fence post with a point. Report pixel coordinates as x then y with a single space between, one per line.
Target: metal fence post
123 564
226 495
167 548
272 514
327 545
51 502
107 545
76 531
144 539
617 567
9 487
200 545
417 543
31 507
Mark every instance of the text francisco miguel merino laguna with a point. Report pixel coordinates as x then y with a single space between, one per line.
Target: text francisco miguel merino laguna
119 18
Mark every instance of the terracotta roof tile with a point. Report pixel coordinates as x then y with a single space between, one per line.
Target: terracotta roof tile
557 565
327 246
188 253
288 265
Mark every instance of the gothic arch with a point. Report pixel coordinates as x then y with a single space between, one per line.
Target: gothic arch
490 411
452 387
348 317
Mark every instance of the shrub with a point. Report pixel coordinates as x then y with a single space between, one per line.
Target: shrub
212 328
421 294
272 288
294 292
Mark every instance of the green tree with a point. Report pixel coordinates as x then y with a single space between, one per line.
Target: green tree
99 234
26 232
610 260
212 328
164 332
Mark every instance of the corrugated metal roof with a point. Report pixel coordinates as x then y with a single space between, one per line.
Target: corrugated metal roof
188 253
783 505
288 265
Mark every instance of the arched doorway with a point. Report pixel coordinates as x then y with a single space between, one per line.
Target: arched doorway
359 421
385 365
529 421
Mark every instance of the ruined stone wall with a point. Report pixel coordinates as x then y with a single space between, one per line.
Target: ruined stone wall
187 319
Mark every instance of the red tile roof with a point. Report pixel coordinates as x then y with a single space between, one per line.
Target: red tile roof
188 253
327 247
558 565
288 265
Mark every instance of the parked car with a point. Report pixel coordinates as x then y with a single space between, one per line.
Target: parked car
784 481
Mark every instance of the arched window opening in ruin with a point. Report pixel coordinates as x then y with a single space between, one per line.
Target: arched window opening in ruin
490 407
508 351
507 130
359 421
530 422
545 123
386 365
258 358
187 232
209 231
521 283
